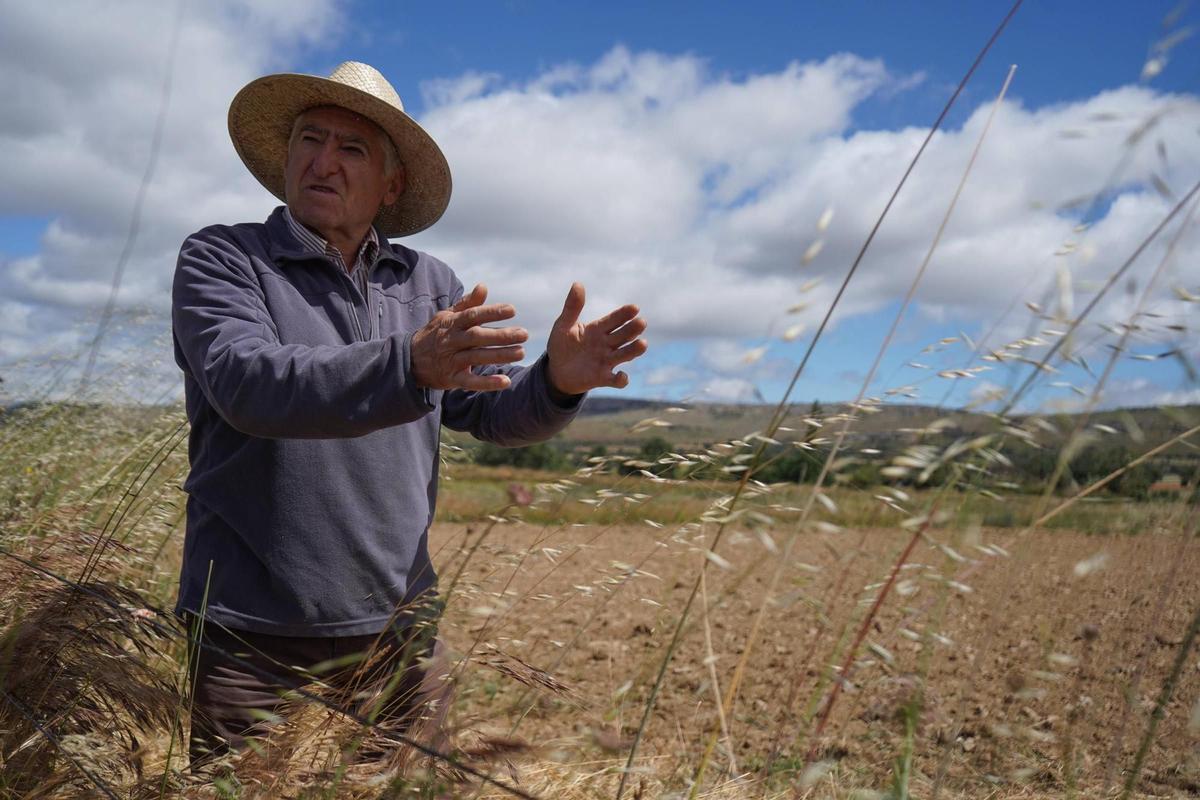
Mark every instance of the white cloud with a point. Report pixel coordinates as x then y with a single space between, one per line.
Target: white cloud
726 356
695 195
454 91
727 390
83 89
623 174
1173 397
668 375
648 176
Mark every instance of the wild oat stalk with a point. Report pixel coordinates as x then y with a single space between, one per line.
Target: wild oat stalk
1082 419
1041 365
1134 687
844 671
751 639
138 485
49 781
1076 713
1042 516
72 666
1092 488
710 659
784 406
827 625
916 704
1160 706
1113 279
191 670
102 596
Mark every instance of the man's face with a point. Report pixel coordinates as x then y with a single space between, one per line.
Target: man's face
334 178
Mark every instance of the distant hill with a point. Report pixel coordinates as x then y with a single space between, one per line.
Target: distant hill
616 421
626 423
621 422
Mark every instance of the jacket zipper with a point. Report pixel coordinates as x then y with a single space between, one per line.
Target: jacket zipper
376 330
346 281
354 316
371 318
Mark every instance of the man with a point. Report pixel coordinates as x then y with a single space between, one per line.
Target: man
320 362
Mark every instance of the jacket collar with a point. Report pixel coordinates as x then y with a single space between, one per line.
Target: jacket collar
284 246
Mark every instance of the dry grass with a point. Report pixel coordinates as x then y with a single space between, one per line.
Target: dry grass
567 622
567 614
475 492
676 628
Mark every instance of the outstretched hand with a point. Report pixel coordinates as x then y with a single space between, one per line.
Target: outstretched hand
455 340
583 356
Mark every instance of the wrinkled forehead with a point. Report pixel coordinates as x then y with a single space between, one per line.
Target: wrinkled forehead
340 120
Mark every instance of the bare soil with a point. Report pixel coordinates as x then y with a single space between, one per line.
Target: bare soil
1036 674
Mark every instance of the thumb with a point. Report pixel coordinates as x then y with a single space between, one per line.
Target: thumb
475 298
573 306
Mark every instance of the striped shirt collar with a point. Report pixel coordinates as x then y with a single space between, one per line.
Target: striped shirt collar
315 244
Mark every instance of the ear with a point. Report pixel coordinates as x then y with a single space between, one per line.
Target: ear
395 186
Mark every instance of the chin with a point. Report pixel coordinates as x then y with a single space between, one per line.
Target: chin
312 217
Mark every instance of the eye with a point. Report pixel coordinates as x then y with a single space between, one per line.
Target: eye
354 149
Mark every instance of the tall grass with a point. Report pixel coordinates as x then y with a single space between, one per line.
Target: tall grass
675 627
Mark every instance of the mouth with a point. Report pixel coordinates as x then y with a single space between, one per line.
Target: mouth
321 188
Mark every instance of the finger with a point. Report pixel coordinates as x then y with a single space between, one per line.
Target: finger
480 336
482 383
619 380
626 333
475 298
616 318
629 352
488 355
481 315
573 306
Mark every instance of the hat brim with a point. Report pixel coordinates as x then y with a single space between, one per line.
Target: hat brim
260 124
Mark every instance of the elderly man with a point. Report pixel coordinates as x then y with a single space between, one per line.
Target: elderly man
320 362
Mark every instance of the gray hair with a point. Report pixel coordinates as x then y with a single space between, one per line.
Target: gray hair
391 157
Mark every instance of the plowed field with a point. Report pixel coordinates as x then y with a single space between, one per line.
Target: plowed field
1035 672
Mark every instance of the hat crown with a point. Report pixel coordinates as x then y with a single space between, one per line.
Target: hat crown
367 79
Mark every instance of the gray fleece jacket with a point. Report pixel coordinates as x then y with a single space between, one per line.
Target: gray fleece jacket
314 455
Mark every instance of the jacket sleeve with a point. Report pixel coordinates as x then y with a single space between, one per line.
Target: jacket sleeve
522 414
229 344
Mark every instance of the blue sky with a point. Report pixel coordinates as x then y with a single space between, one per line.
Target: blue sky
677 155
1067 50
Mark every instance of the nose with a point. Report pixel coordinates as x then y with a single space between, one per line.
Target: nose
325 159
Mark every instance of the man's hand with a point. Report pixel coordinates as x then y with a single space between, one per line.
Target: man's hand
455 340
582 357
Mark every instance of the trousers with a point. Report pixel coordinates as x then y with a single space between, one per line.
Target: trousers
243 684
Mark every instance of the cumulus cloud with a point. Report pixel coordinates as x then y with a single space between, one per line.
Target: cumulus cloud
650 177
667 375
623 172
84 88
696 194
727 390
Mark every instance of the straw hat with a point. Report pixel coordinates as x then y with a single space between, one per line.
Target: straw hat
260 124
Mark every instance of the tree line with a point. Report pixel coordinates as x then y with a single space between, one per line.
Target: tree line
1028 469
